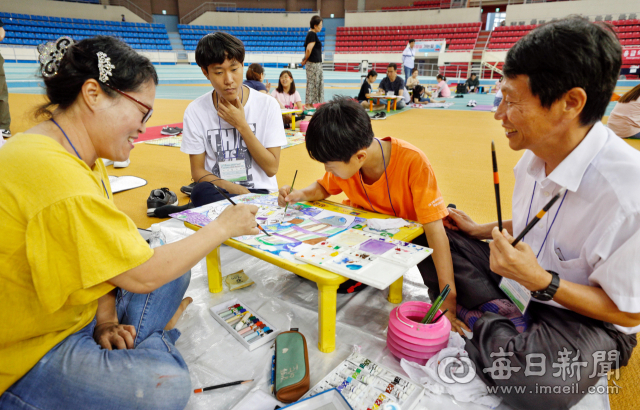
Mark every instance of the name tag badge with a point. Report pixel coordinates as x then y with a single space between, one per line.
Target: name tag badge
233 171
518 294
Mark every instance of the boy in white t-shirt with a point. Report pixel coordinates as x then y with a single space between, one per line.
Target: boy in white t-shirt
232 134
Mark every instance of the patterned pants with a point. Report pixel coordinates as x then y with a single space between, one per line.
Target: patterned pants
315 84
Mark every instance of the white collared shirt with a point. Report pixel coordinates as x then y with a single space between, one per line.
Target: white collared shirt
591 241
408 57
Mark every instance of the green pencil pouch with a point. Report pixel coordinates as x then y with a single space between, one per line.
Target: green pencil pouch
292 367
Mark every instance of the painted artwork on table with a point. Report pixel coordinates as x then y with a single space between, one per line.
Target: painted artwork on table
302 224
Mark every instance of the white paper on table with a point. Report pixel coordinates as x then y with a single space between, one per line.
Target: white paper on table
124 183
384 224
334 218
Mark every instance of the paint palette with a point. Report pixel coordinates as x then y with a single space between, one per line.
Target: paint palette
368 258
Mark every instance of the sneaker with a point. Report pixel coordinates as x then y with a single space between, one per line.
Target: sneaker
171 131
494 109
6 133
187 188
160 197
121 164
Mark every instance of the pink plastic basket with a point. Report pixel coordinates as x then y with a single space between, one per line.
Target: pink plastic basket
408 338
303 126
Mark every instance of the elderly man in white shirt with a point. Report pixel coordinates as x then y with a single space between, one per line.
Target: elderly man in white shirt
580 263
408 57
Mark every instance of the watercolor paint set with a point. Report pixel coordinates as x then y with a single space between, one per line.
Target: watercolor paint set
367 385
251 329
368 258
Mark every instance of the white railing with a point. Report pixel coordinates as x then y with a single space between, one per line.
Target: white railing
134 9
444 4
229 8
203 8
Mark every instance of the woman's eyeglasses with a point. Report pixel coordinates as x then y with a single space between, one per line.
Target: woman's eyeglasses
149 109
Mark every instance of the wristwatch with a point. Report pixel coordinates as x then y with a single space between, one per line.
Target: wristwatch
549 292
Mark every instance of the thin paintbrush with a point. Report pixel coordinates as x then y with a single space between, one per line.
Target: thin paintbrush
290 191
496 184
233 203
432 308
438 304
439 316
539 216
219 386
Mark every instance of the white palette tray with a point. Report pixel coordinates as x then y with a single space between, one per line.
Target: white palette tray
369 380
260 341
365 257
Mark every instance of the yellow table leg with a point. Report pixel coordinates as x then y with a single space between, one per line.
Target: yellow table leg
293 122
214 272
327 317
395 291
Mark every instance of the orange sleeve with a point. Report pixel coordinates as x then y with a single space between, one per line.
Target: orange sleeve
427 199
330 184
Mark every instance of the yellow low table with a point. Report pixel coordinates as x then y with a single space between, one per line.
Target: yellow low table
292 111
327 281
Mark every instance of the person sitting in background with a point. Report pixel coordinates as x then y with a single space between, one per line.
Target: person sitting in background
367 90
255 77
443 88
287 96
393 83
232 134
422 96
498 99
472 84
413 80
624 120
286 93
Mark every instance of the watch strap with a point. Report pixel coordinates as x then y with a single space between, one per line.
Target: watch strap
549 292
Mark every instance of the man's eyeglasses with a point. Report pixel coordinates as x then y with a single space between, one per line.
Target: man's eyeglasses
149 109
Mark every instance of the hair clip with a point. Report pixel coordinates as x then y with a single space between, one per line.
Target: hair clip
51 54
105 66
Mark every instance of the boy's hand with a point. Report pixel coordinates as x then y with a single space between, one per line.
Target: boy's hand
456 324
459 221
286 196
111 335
232 112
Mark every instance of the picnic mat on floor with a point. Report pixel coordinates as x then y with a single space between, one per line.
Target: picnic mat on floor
154 132
293 138
482 108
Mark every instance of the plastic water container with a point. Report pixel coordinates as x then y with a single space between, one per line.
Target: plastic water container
303 126
409 339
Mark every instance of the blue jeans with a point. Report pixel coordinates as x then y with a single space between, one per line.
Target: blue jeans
407 73
78 374
497 101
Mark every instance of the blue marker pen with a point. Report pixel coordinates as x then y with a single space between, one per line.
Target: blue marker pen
259 335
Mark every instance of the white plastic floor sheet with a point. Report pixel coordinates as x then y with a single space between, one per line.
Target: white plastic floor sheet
287 300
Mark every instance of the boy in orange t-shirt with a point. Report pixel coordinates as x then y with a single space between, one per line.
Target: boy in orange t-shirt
388 176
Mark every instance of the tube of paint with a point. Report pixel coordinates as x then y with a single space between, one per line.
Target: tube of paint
236 315
243 320
251 329
228 309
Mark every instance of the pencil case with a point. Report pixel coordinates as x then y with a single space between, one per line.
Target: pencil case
292 379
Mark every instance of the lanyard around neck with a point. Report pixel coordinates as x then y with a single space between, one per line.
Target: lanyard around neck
76 151
552 222
384 163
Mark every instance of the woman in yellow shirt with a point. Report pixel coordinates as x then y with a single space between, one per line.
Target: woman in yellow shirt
86 307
